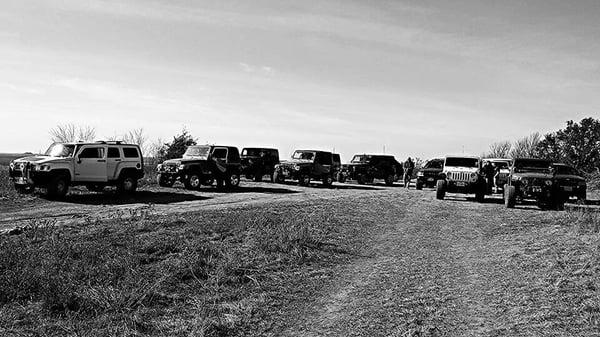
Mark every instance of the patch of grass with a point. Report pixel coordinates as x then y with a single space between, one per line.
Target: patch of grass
7 189
203 274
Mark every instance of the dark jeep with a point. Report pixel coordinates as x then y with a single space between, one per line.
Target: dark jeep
202 165
365 168
307 165
257 162
430 173
570 182
532 179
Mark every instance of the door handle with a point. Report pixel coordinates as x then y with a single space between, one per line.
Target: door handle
117 159
101 161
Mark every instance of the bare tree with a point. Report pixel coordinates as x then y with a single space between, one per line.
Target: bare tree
526 146
72 133
136 136
500 150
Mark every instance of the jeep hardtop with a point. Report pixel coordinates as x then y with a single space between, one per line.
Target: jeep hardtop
461 174
93 164
365 168
202 165
258 161
307 165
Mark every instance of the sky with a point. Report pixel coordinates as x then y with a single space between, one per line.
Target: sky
411 78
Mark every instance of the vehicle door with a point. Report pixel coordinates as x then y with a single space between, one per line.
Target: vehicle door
219 158
113 161
323 163
90 164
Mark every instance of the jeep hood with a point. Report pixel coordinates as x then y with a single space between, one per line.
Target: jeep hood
179 161
460 169
39 159
297 162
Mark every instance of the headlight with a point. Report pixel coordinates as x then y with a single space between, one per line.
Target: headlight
297 167
181 167
22 166
548 182
11 165
420 174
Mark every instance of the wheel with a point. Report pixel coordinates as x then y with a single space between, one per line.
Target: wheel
164 181
361 179
341 178
509 196
327 180
127 184
440 191
304 180
272 177
233 181
193 181
389 180
58 187
94 187
278 178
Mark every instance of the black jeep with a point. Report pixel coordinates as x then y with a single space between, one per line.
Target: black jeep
365 168
307 165
570 182
532 179
257 162
202 165
430 173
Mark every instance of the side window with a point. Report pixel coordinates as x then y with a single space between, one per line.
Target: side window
92 152
130 152
113 152
219 153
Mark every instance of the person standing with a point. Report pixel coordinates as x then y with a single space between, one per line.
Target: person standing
408 166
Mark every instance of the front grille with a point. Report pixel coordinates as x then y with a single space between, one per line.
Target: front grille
459 176
171 168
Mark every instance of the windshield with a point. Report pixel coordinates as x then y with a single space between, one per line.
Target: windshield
532 165
251 152
197 151
60 150
462 162
501 164
359 159
434 164
303 155
566 170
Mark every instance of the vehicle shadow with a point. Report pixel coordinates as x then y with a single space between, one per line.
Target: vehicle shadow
335 186
487 200
140 197
251 189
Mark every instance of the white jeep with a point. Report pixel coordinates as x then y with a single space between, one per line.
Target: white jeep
95 165
461 174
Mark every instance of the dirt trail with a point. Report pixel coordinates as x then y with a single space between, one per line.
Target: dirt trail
436 268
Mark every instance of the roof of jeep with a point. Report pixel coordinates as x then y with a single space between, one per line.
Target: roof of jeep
259 148
313 151
497 159
459 156
100 142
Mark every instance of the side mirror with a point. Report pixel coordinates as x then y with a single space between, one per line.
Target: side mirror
78 160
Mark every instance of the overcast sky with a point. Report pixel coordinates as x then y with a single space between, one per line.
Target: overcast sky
421 78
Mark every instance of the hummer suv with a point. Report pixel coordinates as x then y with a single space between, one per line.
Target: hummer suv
94 165
307 165
430 173
257 162
461 174
202 165
365 168
570 182
532 179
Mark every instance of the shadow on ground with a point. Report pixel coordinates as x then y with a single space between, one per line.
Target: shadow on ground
140 197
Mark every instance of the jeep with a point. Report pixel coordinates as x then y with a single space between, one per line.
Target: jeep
307 165
365 168
202 165
532 179
257 162
570 182
429 174
95 165
461 174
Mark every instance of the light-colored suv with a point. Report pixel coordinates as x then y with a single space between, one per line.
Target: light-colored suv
461 174
95 165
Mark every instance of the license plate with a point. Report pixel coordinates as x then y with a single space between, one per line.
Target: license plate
568 188
430 179
461 184
21 181
536 189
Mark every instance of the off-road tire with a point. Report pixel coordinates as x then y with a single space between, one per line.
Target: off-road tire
304 180
389 180
341 178
58 187
327 180
127 184
440 191
164 182
272 177
193 181
278 178
510 198
233 181
361 179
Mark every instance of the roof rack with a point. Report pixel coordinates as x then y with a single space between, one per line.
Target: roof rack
117 142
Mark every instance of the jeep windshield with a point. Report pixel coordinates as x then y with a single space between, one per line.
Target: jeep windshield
501 164
304 155
60 150
360 159
462 162
252 152
197 151
434 164
532 166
